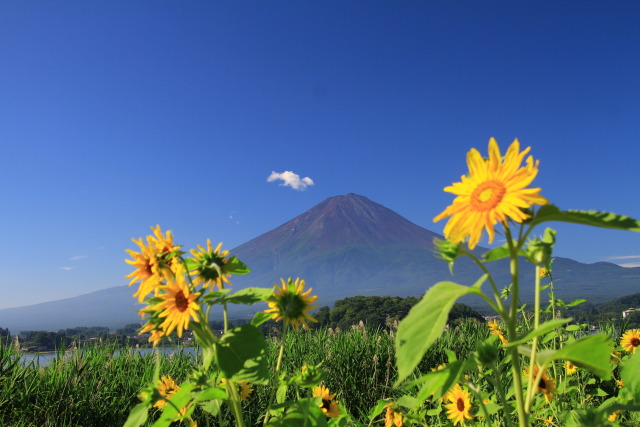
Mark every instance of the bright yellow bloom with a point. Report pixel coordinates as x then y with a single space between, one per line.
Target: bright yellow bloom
328 406
630 340
493 191
614 416
245 388
291 303
546 385
392 418
620 383
145 264
211 263
179 305
544 272
549 421
459 409
570 368
167 387
493 325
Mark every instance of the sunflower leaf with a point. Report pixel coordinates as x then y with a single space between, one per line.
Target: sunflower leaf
241 355
593 218
540 330
592 353
235 266
260 317
248 296
630 375
138 415
425 323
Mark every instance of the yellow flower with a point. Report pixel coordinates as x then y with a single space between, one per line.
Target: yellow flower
392 418
549 421
440 367
328 406
570 368
291 303
493 325
211 262
544 272
630 340
492 192
620 383
245 388
179 305
614 416
144 262
546 385
460 407
167 387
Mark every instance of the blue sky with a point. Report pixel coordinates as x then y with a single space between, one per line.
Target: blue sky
116 116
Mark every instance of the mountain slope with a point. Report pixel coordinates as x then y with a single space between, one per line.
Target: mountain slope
344 246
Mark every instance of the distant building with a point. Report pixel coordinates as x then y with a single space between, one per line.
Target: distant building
626 313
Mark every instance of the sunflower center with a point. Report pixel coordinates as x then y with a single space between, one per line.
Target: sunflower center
635 341
542 384
181 302
460 404
326 404
487 195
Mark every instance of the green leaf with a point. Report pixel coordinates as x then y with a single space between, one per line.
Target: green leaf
177 402
541 330
138 415
377 410
408 401
425 323
235 266
630 375
497 253
592 353
241 355
260 317
191 264
592 218
576 302
209 297
210 393
437 383
248 296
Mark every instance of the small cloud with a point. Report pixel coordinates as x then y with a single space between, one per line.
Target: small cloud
78 257
66 268
630 264
624 257
290 179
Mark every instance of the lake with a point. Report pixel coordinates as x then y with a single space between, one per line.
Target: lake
43 359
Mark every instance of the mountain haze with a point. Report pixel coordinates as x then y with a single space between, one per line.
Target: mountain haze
344 246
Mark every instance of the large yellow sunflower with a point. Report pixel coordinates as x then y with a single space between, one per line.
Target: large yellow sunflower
459 409
211 266
493 191
546 385
145 264
291 303
630 340
328 406
178 305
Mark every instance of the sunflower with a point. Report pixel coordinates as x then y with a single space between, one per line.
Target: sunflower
178 304
630 340
544 272
166 261
144 262
493 325
245 388
614 416
492 192
546 385
328 406
210 270
291 303
167 387
570 368
391 417
460 407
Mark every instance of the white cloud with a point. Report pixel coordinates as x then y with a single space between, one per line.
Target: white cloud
78 257
624 257
290 179
66 268
630 264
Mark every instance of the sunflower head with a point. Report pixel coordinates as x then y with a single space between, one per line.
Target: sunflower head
546 385
244 388
327 405
630 340
210 266
459 406
145 268
392 417
291 303
167 387
177 305
493 191
570 368
495 330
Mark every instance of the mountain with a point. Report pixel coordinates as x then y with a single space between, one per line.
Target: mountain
344 246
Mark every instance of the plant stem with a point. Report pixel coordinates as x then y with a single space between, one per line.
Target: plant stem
534 346
278 365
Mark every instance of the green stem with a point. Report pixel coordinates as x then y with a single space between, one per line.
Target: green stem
534 345
523 416
278 365
497 373
496 294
